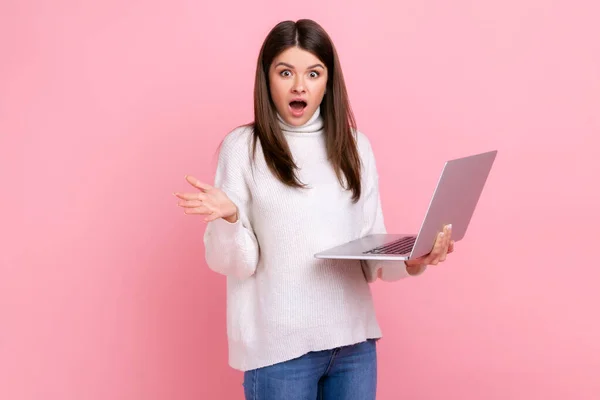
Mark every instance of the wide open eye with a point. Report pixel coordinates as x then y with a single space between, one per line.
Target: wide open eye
285 73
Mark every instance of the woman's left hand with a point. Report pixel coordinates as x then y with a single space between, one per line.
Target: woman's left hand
443 246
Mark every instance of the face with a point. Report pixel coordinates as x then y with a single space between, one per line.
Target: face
298 80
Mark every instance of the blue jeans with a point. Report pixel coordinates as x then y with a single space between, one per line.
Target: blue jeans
343 373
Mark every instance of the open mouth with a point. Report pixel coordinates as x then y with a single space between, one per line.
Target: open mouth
298 106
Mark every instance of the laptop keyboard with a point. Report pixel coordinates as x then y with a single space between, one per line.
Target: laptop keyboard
401 246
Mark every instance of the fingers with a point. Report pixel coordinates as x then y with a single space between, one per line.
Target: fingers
192 196
190 204
198 184
196 203
202 210
440 249
447 236
451 247
430 258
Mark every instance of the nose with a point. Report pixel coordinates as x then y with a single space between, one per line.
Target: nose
298 86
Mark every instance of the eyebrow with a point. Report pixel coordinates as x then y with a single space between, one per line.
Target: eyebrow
292 67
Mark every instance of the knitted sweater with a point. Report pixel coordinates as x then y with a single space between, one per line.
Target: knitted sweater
282 302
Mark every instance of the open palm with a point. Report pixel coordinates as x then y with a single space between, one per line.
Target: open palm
209 201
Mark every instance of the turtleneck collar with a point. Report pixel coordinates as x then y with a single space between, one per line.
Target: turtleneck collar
312 127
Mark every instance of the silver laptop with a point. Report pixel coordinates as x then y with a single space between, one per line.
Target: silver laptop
454 199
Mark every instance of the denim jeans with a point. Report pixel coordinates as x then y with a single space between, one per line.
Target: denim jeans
343 373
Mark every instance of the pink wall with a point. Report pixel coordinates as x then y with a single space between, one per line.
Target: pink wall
105 106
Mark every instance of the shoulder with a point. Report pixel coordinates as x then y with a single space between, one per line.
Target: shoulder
363 145
362 140
237 144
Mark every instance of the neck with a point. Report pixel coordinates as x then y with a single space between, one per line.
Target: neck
312 127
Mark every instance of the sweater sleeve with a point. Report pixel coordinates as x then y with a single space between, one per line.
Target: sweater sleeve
232 249
374 222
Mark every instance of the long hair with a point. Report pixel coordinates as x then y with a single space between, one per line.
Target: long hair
338 119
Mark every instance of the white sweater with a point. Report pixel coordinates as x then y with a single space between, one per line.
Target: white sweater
282 302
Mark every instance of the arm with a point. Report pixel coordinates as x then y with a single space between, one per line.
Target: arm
374 223
231 246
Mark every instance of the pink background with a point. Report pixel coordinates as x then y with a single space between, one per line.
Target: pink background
105 106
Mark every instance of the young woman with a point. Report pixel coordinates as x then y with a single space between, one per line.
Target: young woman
300 179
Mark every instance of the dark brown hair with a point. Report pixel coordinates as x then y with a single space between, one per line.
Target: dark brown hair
338 119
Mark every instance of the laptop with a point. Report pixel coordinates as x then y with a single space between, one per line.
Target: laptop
453 202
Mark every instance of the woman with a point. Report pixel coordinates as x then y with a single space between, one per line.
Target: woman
300 179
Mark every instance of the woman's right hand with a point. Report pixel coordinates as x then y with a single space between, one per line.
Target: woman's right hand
209 201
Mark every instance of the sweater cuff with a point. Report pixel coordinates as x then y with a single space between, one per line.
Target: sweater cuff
227 231
393 271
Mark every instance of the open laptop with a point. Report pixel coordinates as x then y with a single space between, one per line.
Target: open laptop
454 200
